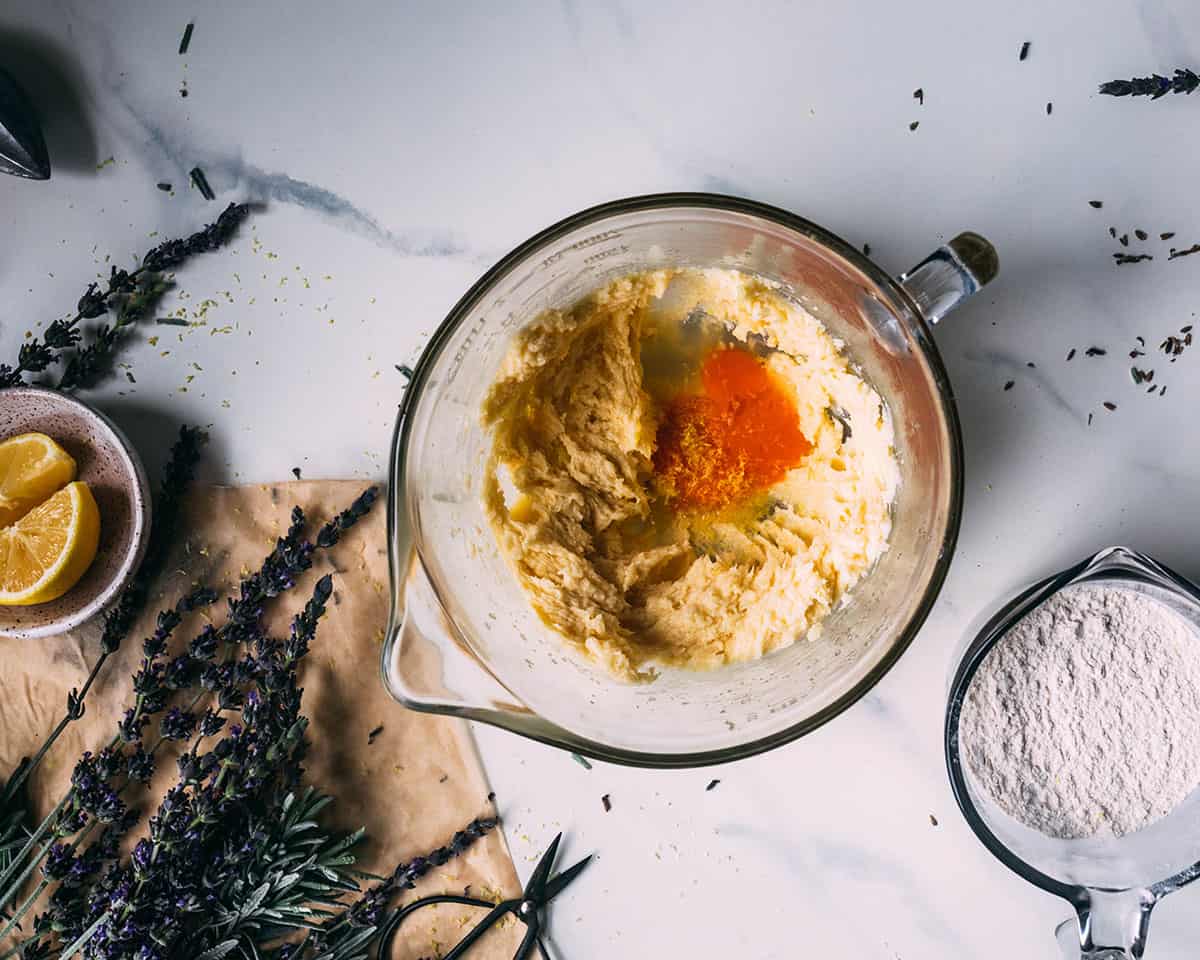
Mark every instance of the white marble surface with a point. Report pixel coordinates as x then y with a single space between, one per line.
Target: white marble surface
402 147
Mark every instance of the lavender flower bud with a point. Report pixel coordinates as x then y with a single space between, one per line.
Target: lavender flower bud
74 705
167 621
177 724
245 670
179 673
229 698
34 356
83 777
211 724
70 821
189 768
154 702
108 846
200 597
154 646
84 866
118 893
148 679
140 765
174 800
212 677
252 709
108 761
108 806
204 646
130 727
141 856
58 862
60 335
92 304
121 281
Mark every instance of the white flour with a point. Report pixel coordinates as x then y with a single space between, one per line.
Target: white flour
1085 719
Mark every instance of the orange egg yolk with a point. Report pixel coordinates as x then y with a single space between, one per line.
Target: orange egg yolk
738 436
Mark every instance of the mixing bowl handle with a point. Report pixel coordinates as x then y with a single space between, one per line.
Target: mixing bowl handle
950 274
1107 926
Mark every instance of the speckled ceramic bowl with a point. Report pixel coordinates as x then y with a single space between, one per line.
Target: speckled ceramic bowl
112 469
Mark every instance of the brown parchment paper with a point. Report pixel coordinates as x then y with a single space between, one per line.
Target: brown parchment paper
412 787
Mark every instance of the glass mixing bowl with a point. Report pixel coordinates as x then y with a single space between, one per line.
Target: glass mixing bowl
1113 883
463 638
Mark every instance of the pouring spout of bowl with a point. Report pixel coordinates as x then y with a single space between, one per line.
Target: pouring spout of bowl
950 275
1108 926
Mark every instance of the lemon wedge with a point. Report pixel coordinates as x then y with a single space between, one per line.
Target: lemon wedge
32 466
45 552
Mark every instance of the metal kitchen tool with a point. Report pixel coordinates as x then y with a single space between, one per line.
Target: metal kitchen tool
22 146
1112 883
539 891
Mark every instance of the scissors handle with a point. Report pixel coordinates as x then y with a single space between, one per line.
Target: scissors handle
393 924
481 928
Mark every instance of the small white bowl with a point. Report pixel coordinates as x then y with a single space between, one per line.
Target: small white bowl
113 470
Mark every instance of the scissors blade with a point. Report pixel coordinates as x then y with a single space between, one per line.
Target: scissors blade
537 881
558 884
529 941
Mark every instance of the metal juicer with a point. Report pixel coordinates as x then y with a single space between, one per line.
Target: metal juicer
22 146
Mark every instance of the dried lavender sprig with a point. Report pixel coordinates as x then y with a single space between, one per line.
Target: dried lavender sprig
171 253
91 797
87 364
134 290
36 355
332 532
280 571
176 479
291 870
291 557
194 814
1154 86
360 923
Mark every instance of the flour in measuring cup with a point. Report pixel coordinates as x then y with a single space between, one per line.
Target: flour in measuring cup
1085 719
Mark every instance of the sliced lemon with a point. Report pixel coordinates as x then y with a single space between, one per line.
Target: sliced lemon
32 466
45 553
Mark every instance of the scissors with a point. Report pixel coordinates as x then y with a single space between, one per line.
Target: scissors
539 891
22 147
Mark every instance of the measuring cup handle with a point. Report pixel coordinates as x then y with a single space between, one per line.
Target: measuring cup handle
1107 926
950 274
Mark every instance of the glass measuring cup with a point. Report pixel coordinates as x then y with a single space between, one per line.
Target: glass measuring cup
1112 883
463 638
